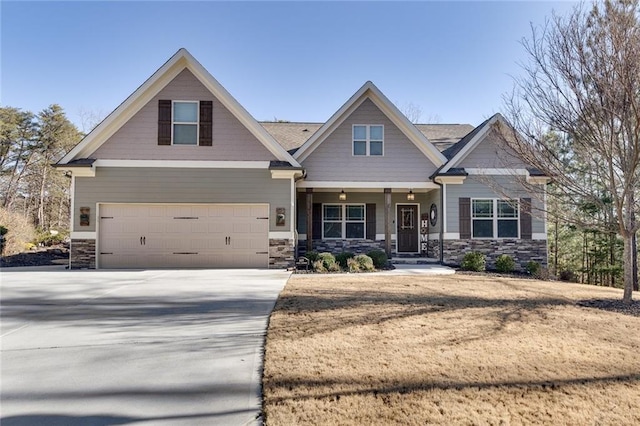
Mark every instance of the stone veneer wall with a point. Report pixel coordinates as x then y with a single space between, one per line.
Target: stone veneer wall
281 253
83 254
522 251
338 246
433 249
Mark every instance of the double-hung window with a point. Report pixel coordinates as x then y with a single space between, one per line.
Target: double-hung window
493 218
185 122
343 221
368 140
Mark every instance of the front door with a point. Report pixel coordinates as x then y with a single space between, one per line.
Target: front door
407 228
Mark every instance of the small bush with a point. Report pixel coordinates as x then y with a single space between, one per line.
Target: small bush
342 258
379 258
365 262
353 265
533 268
312 256
474 261
20 231
47 239
505 263
329 262
318 266
567 275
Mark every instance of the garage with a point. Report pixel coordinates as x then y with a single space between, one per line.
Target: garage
183 236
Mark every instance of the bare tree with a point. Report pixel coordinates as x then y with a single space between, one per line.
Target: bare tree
582 81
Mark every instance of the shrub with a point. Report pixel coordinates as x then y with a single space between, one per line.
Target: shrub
365 262
342 258
312 256
567 275
20 231
318 266
474 261
533 268
329 262
505 263
379 258
46 238
353 265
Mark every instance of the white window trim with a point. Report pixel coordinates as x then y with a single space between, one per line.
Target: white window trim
367 140
197 123
495 218
344 221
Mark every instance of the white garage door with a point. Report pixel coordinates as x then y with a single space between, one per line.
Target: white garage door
183 236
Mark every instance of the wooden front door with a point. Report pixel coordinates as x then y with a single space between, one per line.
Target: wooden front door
407 228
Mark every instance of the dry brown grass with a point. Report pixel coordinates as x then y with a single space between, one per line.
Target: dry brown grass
448 350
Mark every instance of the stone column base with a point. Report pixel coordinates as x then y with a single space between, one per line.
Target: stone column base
82 254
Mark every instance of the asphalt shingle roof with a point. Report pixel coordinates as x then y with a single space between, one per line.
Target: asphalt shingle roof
292 135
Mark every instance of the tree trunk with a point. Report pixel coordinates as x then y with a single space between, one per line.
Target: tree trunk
628 267
43 187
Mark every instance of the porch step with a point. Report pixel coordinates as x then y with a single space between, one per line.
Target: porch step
414 260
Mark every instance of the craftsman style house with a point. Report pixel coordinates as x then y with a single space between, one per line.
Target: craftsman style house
181 175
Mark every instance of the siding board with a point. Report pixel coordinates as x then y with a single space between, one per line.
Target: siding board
402 160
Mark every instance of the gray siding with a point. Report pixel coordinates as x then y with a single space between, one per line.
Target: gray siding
492 152
360 198
433 197
198 186
333 160
491 187
138 138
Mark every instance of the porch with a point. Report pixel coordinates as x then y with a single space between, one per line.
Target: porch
400 220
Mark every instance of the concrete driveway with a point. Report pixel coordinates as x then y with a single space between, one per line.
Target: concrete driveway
134 347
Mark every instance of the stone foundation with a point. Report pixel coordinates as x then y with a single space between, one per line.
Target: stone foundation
433 249
281 253
338 246
522 251
82 254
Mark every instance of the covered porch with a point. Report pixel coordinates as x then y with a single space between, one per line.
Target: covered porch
398 218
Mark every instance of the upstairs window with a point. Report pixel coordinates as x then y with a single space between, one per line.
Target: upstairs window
492 218
368 140
185 123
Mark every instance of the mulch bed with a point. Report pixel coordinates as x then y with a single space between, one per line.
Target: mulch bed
54 255
613 305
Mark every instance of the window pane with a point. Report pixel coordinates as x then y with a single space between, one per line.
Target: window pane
375 133
375 148
507 208
482 208
185 112
185 134
332 230
483 228
355 212
359 148
508 228
359 132
355 230
332 212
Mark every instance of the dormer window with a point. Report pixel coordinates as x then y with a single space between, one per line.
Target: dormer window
368 140
185 123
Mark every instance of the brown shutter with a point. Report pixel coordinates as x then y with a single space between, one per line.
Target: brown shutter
164 122
464 214
317 221
371 222
206 123
525 218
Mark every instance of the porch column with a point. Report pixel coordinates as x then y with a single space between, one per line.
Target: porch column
387 221
309 219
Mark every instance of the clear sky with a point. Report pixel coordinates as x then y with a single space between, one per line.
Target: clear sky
297 61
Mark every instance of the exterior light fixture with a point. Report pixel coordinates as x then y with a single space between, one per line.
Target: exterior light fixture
411 196
342 196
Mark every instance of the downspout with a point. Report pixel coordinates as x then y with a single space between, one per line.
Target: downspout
441 242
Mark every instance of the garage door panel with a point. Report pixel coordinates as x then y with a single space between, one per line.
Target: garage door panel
190 236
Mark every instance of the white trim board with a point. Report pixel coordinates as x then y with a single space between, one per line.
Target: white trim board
367 185
183 164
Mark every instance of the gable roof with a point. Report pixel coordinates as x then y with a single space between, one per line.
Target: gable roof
460 150
292 135
181 60
370 91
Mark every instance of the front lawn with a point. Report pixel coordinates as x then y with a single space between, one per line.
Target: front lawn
459 349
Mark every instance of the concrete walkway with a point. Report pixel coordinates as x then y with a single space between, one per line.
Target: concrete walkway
134 347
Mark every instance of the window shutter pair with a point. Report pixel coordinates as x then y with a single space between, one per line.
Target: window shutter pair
206 123
464 214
